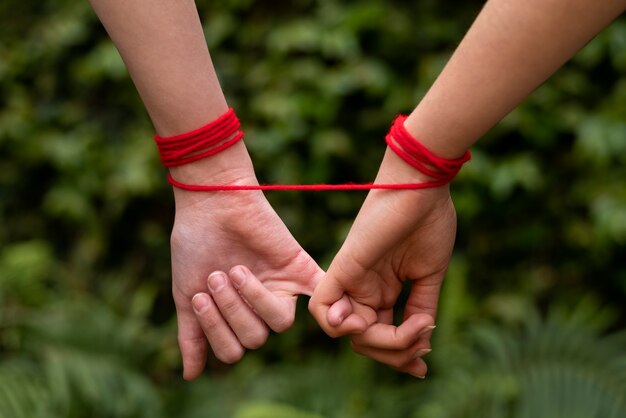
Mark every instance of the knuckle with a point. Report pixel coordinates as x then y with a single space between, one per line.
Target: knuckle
282 324
402 341
230 305
186 341
255 339
230 356
209 320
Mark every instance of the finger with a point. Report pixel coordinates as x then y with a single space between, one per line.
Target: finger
278 313
424 296
247 326
349 317
339 311
223 341
192 342
398 359
327 293
390 337
417 368
385 316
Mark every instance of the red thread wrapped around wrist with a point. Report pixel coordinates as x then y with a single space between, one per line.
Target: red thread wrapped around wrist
408 148
200 143
225 131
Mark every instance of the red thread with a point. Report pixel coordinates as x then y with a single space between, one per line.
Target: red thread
225 131
301 187
200 143
418 156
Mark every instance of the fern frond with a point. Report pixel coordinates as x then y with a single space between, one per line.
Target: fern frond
23 392
560 367
77 361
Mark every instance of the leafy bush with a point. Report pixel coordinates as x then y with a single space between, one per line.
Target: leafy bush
85 312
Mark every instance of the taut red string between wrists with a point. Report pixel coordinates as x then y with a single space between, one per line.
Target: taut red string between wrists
225 131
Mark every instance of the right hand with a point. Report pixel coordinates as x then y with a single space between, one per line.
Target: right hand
398 236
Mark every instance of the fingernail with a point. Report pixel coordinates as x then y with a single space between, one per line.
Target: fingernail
427 329
238 276
422 352
420 377
216 281
200 302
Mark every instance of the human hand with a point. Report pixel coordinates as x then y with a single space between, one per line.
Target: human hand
214 232
397 236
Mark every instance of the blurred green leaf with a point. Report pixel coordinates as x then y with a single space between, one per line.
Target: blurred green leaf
87 324
271 410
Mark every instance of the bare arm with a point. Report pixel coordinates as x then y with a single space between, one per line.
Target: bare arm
163 46
512 47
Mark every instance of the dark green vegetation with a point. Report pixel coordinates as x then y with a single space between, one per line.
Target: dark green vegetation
533 309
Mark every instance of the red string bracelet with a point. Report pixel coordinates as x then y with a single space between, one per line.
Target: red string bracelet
200 143
225 131
415 154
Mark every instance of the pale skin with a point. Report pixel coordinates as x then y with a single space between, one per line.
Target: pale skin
512 47
174 75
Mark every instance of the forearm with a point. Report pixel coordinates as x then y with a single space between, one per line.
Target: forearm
512 47
162 44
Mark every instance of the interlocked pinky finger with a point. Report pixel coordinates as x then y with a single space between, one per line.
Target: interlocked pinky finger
223 341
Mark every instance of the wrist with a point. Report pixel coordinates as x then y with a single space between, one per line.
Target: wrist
395 170
229 167
446 140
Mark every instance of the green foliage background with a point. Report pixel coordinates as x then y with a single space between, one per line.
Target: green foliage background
532 317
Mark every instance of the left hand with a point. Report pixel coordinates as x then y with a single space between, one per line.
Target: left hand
215 232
